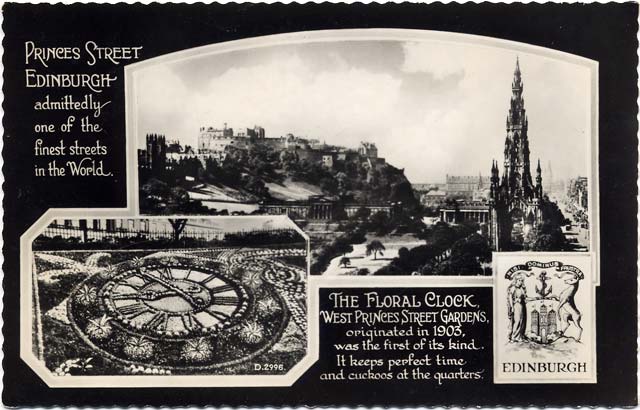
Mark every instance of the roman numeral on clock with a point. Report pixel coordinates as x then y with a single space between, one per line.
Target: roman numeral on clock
209 279
217 314
124 296
158 321
143 278
165 272
190 322
225 300
221 288
134 309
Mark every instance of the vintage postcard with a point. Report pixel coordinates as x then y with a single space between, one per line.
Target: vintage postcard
320 205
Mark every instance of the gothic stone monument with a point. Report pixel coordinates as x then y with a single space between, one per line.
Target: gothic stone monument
514 201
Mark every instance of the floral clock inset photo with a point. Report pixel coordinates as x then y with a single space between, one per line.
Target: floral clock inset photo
176 314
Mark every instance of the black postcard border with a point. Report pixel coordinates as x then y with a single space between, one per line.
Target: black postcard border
602 32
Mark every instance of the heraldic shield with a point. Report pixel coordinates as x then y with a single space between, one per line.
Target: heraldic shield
544 317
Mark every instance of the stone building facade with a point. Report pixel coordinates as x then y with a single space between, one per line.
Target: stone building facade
465 212
323 208
368 149
466 186
154 157
214 142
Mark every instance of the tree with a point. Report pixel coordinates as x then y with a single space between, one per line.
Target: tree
548 234
344 262
380 223
179 203
403 261
467 255
390 270
158 198
256 186
478 246
427 268
212 170
374 247
288 161
178 226
403 254
548 237
342 245
154 195
403 192
329 185
343 181
440 235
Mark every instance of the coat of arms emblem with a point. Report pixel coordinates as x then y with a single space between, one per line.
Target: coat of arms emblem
545 316
544 311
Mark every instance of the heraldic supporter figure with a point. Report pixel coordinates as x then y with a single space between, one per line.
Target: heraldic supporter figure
517 309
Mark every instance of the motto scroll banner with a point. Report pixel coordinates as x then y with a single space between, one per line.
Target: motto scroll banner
559 267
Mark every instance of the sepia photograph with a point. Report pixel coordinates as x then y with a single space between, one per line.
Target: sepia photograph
395 157
169 296
270 205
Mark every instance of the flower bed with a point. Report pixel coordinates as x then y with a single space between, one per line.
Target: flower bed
246 337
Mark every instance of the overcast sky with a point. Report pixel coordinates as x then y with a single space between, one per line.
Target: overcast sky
432 108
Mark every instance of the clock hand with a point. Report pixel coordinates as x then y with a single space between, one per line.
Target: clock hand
155 295
168 285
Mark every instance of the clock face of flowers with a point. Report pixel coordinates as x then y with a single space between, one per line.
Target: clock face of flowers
182 314
174 301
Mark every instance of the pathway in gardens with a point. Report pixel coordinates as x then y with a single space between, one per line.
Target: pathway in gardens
360 260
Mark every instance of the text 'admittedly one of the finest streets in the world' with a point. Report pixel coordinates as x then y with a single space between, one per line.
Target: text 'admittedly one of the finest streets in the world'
436 335
70 138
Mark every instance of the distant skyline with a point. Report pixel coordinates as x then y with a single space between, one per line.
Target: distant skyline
432 108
